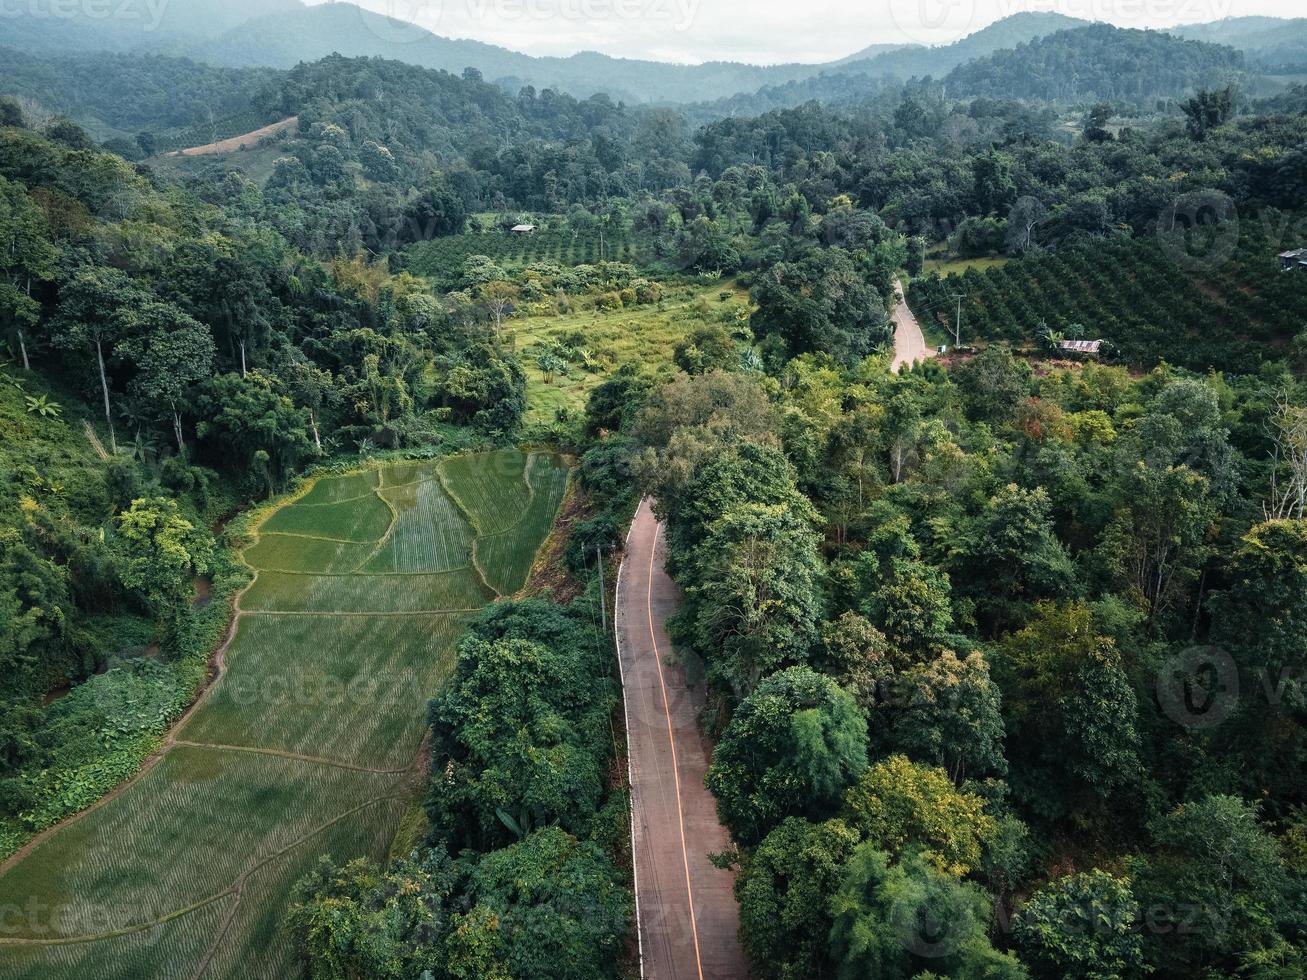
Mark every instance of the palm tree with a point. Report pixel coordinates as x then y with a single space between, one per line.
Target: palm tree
1051 337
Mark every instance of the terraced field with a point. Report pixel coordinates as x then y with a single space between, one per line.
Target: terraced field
307 742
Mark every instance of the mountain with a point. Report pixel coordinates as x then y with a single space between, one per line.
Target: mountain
170 27
283 33
1099 62
918 62
872 51
117 94
308 33
852 81
1269 42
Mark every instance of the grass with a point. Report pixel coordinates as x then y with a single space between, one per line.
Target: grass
471 480
306 743
351 688
506 557
944 266
642 335
430 533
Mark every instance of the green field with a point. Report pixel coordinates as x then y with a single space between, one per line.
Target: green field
640 335
944 265
307 742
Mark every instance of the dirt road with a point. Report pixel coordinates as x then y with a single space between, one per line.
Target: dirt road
238 142
909 342
686 908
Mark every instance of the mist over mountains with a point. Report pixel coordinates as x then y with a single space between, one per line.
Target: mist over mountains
282 33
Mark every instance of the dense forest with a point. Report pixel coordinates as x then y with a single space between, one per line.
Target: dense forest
1002 654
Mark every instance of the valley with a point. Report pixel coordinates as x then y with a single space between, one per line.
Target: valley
470 513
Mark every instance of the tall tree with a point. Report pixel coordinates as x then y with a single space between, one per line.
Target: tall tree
791 749
1081 927
26 255
754 596
1070 713
172 353
907 920
95 313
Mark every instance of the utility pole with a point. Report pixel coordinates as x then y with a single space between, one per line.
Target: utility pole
603 595
957 330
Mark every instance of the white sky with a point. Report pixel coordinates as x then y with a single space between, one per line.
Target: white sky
769 31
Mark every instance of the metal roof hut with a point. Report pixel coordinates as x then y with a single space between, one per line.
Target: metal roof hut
1088 347
1294 261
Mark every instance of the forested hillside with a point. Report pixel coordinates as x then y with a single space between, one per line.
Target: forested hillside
1269 43
126 94
1099 63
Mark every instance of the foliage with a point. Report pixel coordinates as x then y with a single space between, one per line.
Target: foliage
900 806
547 906
1081 926
159 551
784 889
821 305
1070 712
897 920
791 749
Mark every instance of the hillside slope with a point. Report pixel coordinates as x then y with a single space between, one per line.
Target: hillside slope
1098 62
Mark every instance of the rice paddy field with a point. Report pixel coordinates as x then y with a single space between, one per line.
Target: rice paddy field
307 742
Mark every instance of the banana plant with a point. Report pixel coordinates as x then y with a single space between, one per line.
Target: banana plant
42 406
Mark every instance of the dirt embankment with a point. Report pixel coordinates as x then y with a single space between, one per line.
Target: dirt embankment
236 143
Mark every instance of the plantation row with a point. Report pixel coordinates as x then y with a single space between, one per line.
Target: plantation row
1175 298
305 744
442 259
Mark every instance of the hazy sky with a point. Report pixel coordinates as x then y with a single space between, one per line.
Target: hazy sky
769 31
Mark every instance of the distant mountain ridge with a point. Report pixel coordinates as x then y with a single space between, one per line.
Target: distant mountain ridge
283 33
1269 42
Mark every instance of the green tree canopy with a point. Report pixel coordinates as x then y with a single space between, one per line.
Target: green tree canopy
906 920
545 908
158 551
791 749
784 890
1081 927
900 806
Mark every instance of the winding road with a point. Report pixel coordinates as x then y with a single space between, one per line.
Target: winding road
685 907
909 342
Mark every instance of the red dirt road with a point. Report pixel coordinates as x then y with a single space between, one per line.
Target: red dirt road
686 908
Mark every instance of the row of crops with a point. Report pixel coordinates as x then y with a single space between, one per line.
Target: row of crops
442 259
1202 300
306 743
